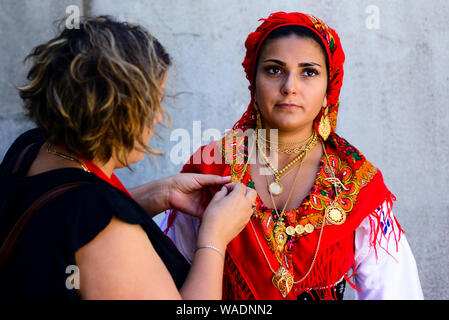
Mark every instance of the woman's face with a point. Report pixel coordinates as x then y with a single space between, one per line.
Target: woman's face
136 155
158 118
291 83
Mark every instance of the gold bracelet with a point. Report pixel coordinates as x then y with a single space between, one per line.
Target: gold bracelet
206 246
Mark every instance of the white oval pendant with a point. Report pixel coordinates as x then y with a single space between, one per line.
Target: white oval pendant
275 188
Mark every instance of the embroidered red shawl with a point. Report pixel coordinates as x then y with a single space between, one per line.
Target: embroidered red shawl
247 274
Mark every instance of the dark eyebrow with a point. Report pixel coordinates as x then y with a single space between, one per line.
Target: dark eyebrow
301 65
308 64
279 62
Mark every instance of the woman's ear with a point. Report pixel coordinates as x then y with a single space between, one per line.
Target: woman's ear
325 101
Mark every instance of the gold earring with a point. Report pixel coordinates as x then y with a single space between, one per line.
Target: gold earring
324 128
258 120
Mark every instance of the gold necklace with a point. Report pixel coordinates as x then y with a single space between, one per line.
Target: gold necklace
288 147
50 149
334 213
276 188
282 279
285 151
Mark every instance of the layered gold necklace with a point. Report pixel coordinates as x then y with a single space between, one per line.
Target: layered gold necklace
275 188
284 147
282 278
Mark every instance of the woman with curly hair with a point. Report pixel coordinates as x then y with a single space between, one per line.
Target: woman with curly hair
69 229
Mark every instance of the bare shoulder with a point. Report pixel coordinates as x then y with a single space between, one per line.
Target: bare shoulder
121 263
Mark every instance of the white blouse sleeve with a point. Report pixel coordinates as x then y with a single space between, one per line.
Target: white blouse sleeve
389 271
183 233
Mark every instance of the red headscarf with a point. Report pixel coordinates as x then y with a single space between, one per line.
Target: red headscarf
334 51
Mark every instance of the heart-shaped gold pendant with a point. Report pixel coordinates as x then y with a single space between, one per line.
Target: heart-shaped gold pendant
283 281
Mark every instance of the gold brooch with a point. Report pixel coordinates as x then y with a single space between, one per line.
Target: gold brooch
335 214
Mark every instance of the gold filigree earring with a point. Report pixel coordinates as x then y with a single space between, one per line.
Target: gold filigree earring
324 128
258 120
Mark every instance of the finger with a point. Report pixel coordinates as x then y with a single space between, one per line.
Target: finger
230 186
236 188
251 195
220 194
211 179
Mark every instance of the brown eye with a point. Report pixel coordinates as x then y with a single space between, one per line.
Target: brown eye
310 72
273 70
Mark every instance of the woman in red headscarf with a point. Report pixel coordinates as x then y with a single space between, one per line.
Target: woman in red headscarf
323 215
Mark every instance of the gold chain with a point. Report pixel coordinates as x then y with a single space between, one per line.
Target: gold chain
282 213
291 190
323 224
275 146
282 274
278 173
285 151
287 143
50 149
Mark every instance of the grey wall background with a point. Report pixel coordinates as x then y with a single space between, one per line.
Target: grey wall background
393 101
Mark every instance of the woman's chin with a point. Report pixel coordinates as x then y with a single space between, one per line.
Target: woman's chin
288 125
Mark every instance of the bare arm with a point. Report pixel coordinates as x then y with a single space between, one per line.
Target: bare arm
121 263
153 196
181 191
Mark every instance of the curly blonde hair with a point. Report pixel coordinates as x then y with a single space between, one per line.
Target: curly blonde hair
96 88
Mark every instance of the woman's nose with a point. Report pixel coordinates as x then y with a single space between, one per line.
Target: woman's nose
158 117
289 85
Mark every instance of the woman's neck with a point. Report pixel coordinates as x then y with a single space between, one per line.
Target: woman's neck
107 168
276 135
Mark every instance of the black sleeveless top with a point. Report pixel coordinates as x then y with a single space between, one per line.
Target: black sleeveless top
43 262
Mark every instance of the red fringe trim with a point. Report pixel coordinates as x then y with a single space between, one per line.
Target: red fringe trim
171 219
331 266
332 263
234 286
378 220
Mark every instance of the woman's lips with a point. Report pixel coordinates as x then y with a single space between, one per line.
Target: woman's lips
286 106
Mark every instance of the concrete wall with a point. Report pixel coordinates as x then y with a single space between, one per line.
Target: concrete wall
393 101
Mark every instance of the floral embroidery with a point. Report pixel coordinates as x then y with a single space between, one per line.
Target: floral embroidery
323 29
311 210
